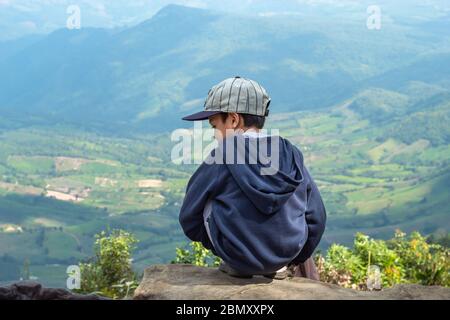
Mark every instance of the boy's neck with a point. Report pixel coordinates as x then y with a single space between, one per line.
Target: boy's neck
250 129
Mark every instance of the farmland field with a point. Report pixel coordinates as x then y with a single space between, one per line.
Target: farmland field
54 197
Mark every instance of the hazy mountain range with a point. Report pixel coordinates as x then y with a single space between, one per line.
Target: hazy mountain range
150 74
24 17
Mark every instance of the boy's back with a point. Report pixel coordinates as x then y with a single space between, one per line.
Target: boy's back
252 202
257 223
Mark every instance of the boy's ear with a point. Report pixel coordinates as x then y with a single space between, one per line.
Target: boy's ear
235 119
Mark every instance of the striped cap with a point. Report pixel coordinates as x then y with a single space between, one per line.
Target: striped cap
236 94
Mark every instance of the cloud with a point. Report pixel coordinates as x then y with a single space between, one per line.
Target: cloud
276 13
100 9
193 3
29 25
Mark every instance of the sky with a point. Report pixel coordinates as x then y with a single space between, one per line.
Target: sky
24 17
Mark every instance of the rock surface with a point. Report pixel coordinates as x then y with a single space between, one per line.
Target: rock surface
180 281
30 290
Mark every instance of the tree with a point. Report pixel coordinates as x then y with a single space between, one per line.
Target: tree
110 272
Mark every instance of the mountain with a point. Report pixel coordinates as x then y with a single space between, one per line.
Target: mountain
147 76
86 116
31 16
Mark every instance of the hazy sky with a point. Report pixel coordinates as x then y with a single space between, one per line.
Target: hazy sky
21 17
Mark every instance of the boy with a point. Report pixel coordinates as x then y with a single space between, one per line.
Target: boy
259 222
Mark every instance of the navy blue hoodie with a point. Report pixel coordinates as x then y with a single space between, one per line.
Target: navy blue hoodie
259 223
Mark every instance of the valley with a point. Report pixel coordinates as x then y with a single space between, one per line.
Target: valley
54 197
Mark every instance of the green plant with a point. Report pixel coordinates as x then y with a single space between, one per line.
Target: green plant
341 266
198 255
403 259
423 262
110 271
377 252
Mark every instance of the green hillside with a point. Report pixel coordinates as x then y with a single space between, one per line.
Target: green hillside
56 194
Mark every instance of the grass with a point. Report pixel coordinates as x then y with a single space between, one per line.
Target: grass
51 275
359 180
388 147
62 245
44 165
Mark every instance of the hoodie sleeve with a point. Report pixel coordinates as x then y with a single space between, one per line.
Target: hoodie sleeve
315 216
200 188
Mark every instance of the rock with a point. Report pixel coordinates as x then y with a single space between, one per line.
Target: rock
30 290
178 281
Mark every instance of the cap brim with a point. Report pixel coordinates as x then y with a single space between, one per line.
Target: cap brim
202 115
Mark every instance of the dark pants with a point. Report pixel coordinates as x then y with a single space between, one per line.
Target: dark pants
306 269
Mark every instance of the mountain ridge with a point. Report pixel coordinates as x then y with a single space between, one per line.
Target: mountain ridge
139 78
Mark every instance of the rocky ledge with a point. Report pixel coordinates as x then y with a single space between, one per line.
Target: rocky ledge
180 281
30 290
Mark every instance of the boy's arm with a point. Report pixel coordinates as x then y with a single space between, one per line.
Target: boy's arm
315 216
199 189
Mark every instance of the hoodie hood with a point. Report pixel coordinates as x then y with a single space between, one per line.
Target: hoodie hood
272 172
256 220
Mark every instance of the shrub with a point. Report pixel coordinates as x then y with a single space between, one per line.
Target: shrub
110 272
198 255
340 267
424 263
403 259
376 252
